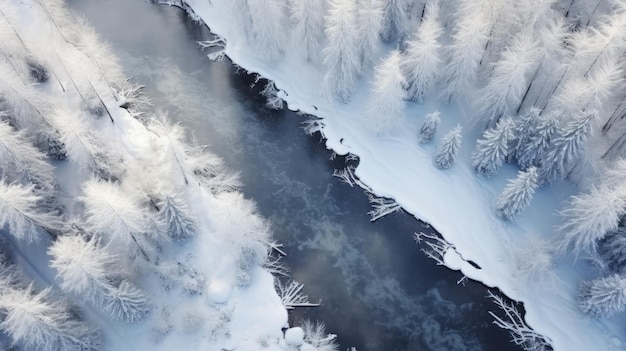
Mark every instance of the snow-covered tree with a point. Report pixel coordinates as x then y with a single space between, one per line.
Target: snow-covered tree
117 215
493 148
539 141
177 217
449 147
307 18
268 19
469 38
395 20
589 217
21 212
126 302
509 80
517 194
612 250
370 23
421 62
523 129
429 127
38 321
566 147
386 106
341 54
603 297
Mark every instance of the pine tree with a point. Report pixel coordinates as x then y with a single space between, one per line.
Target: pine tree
395 20
386 105
268 17
429 127
524 129
449 147
539 141
126 303
589 217
509 80
341 54
177 217
20 211
566 147
421 63
517 194
602 297
307 18
493 148
38 321
370 23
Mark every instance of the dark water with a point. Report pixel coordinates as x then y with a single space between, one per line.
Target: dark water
379 292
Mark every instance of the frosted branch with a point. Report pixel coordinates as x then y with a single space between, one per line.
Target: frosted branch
346 175
521 333
291 295
436 247
312 126
381 206
271 95
218 42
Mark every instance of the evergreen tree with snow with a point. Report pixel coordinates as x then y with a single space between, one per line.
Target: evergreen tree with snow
524 129
386 105
589 217
429 127
449 147
421 62
395 20
177 217
268 19
602 297
341 54
307 18
566 147
539 140
493 148
38 321
370 23
508 81
126 302
517 194
21 212
612 250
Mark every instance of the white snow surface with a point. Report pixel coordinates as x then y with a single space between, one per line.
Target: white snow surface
458 203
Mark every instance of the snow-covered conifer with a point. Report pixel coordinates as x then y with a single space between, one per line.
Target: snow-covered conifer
493 148
589 217
341 54
126 303
370 23
421 62
517 194
117 215
429 127
386 106
177 217
538 142
307 17
468 42
612 250
268 19
523 129
38 321
395 20
603 297
566 147
449 147
509 80
21 212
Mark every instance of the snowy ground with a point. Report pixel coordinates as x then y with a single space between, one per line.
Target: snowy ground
457 202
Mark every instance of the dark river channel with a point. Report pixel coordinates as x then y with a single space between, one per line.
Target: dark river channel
378 291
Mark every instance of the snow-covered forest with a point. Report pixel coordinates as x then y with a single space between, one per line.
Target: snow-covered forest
112 216
536 86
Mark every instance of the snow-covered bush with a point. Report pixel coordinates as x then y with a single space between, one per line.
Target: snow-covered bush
493 148
603 297
429 127
315 335
386 106
612 251
535 261
126 302
449 147
517 194
177 217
